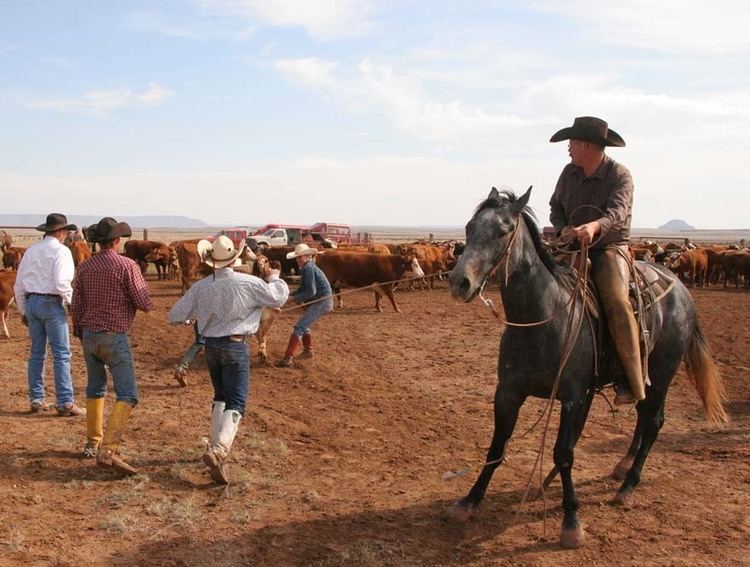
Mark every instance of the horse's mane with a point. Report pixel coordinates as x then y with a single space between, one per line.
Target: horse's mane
507 195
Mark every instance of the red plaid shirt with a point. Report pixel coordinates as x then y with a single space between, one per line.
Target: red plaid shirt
107 290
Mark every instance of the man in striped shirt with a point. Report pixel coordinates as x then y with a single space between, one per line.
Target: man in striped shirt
107 291
227 307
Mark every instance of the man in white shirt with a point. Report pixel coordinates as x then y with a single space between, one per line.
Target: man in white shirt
43 289
227 306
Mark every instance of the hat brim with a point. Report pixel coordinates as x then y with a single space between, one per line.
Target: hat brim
119 230
52 228
572 133
306 252
204 248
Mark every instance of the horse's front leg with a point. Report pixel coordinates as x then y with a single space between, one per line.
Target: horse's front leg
506 414
571 534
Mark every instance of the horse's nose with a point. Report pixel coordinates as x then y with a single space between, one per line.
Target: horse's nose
460 287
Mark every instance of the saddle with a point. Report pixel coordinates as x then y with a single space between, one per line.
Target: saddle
648 285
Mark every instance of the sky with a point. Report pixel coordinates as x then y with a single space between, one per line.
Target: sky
393 113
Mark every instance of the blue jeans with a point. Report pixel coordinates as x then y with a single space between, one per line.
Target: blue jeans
112 349
48 323
314 312
229 366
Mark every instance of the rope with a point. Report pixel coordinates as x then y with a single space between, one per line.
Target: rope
363 288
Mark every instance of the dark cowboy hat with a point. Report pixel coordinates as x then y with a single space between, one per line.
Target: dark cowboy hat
56 221
108 229
591 129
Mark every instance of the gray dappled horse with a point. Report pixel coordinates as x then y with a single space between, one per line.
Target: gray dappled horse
534 290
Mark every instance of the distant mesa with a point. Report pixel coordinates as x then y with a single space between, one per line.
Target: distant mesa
676 224
146 221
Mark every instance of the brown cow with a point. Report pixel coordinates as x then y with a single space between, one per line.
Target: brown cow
81 251
691 265
161 256
12 257
737 266
188 259
434 259
7 295
6 240
360 269
138 250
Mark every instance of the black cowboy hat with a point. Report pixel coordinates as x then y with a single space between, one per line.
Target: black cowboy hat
56 221
591 129
108 229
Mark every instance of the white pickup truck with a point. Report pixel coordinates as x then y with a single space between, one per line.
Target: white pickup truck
278 237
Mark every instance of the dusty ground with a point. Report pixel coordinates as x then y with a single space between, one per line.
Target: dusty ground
339 462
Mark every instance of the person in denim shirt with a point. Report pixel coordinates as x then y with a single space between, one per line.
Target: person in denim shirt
315 290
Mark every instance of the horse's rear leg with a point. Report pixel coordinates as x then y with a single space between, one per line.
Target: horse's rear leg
650 421
506 414
626 463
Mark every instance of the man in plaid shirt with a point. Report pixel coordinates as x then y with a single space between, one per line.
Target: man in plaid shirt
107 291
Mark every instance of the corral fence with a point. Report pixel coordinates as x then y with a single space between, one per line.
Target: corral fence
26 235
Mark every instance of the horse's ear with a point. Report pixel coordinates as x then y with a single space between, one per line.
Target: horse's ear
494 194
520 203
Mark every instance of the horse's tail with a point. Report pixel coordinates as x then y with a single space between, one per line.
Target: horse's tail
706 377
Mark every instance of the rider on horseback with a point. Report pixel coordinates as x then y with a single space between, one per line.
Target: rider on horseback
598 192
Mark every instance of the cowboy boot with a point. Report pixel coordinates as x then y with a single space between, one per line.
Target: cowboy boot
217 411
215 457
624 331
181 369
307 343
94 426
286 362
107 456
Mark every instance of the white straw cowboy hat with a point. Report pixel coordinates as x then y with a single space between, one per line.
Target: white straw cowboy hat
220 253
301 250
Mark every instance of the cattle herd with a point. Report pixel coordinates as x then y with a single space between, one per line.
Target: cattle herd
384 267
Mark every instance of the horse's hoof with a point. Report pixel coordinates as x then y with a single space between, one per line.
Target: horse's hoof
624 499
572 538
460 511
622 468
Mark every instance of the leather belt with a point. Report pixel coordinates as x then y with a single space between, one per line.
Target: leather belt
233 338
44 294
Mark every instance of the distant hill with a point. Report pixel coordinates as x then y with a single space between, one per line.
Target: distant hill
676 224
147 221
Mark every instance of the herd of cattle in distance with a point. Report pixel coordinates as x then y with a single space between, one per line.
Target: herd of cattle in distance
385 267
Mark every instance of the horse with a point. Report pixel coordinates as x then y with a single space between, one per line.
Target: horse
502 237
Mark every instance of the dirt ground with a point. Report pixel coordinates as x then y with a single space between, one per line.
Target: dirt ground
340 461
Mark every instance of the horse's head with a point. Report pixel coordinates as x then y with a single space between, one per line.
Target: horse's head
488 238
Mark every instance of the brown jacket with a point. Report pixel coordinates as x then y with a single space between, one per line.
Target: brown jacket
606 196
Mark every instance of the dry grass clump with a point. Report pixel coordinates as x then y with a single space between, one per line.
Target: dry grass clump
119 523
365 553
181 513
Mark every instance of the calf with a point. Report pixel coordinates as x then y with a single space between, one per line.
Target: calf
7 295
262 268
694 263
138 250
161 256
360 269
12 257
80 250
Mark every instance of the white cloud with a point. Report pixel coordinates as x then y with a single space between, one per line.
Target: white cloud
327 19
693 26
106 100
